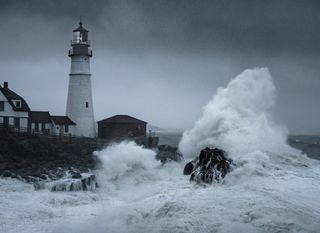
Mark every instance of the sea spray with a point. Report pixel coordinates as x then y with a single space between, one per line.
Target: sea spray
143 196
125 162
237 119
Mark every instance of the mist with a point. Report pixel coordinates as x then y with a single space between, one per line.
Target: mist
162 61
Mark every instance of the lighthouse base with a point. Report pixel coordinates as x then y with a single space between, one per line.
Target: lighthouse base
85 128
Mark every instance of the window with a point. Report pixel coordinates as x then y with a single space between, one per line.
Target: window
66 128
18 104
43 127
36 127
17 122
76 37
87 105
1 106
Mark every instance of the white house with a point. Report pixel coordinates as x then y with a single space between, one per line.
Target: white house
42 122
15 113
13 109
63 126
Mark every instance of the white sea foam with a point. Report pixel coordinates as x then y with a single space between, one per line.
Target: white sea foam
119 159
237 119
274 188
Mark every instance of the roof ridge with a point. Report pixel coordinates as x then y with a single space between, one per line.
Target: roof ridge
122 119
11 95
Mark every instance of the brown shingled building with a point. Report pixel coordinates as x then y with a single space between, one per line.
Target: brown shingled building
121 127
39 121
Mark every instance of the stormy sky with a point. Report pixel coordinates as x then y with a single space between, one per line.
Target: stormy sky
162 61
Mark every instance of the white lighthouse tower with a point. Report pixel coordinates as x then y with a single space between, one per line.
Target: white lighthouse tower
79 103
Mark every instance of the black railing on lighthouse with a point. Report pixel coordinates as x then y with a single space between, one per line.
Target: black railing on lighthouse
71 53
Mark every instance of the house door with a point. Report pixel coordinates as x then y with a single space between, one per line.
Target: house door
17 122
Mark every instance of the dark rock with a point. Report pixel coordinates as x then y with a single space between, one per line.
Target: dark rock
38 185
75 173
31 155
44 160
32 179
210 165
6 173
76 176
188 168
87 182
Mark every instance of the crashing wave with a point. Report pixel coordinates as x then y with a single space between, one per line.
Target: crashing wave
87 182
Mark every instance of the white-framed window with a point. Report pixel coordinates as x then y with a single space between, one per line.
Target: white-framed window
17 103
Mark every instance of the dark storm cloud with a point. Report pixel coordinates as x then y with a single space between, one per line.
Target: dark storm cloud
253 26
172 52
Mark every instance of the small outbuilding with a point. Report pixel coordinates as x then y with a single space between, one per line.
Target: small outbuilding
63 125
39 122
121 127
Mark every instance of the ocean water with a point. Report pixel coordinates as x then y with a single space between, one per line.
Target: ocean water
274 187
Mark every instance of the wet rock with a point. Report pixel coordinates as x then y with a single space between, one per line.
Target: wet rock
37 156
188 168
39 185
211 165
76 175
6 173
168 153
87 182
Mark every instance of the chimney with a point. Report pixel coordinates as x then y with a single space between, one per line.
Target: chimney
5 85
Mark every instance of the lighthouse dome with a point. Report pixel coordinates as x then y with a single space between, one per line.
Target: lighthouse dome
80 28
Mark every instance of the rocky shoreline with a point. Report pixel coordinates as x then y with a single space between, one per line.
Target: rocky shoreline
58 164
35 158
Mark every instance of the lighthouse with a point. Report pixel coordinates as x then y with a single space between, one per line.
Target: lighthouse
79 102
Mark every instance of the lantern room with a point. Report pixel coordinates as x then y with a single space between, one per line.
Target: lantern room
80 35
80 43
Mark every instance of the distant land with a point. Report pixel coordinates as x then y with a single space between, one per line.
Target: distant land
157 129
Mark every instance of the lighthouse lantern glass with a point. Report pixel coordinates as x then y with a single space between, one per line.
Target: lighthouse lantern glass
76 37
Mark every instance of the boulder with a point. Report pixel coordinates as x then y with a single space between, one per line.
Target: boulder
7 173
87 182
188 168
211 165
